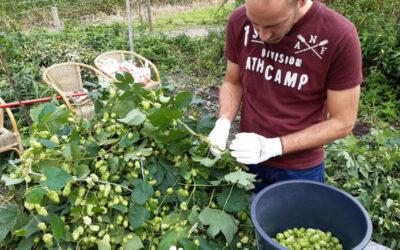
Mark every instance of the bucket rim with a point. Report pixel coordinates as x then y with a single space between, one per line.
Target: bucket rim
261 232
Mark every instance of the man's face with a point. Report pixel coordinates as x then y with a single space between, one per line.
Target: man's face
272 19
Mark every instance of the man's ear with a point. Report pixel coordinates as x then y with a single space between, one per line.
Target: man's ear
302 3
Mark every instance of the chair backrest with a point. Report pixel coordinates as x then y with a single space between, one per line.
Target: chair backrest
116 55
65 76
122 55
1 118
10 115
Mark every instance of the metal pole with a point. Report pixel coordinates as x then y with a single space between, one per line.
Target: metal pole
130 27
39 100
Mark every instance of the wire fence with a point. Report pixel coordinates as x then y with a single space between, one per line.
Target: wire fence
23 2
83 12
30 14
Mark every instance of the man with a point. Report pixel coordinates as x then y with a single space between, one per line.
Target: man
294 67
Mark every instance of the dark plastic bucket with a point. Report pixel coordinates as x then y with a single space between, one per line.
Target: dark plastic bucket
308 204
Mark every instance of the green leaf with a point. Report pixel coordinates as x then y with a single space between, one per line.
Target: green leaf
193 218
205 245
34 112
183 99
25 244
72 152
48 163
31 226
121 208
8 219
56 178
141 150
137 215
48 143
20 232
125 142
67 153
133 244
142 192
243 179
175 135
35 195
113 164
57 227
163 117
205 124
173 237
168 239
123 80
134 118
103 136
172 218
50 118
166 174
208 162
122 107
219 221
185 242
41 110
82 171
74 137
103 245
9 181
148 130
237 199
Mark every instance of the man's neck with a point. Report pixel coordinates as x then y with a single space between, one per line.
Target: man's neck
304 9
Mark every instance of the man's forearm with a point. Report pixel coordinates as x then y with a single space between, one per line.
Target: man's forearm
230 96
316 135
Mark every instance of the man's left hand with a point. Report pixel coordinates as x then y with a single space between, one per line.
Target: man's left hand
251 148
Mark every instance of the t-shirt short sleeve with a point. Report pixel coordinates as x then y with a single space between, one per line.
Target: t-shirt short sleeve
231 42
345 72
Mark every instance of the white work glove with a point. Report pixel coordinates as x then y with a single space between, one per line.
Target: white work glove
219 135
251 148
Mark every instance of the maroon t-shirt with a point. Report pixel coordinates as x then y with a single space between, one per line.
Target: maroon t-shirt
285 84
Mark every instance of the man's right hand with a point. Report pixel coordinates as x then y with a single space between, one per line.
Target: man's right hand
219 136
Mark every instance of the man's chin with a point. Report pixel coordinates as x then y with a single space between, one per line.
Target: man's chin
274 41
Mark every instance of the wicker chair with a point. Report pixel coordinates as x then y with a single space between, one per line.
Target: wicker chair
121 56
66 78
9 140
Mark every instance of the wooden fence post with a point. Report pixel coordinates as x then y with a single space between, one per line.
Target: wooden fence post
130 26
149 19
56 18
139 10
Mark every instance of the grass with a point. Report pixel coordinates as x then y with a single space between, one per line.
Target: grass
203 17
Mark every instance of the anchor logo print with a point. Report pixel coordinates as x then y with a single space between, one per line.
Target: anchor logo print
317 48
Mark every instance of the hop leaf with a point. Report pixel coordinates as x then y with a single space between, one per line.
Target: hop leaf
243 179
219 221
